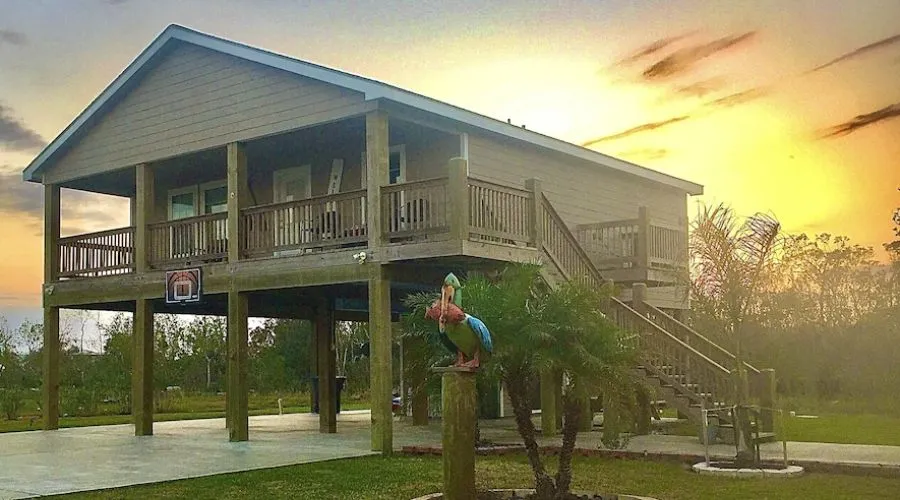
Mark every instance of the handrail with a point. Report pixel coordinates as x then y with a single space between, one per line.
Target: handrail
345 195
403 186
189 220
101 253
189 240
76 238
288 228
618 304
696 374
475 181
592 273
498 213
714 349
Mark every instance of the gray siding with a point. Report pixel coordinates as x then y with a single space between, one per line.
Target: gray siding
580 191
197 99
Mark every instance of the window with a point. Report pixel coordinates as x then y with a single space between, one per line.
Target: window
209 198
397 164
215 197
182 203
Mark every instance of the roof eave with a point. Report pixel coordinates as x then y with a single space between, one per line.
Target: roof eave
370 88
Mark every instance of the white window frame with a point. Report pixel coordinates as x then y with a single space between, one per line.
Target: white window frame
183 190
206 186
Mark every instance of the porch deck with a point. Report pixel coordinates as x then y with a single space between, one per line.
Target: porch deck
413 214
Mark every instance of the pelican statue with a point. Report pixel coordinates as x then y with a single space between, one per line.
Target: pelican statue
460 332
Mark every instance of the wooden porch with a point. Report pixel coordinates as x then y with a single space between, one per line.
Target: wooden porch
411 212
643 249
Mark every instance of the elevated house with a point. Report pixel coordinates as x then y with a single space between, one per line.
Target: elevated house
262 185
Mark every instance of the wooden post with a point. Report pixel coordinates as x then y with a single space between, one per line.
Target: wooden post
142 369
143 213
324 333
639 297
643 243
50 385
380 363
51 232
237 198
313 368
377 166
50 361
458 198
536 212
558 396
766 387
458 421
587 415
548 404
611 416
237 367
417 378
644 413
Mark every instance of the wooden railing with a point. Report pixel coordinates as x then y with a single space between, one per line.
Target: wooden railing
612 245
560 246
641 243
332 221
699 377
667 247
694 339
499 214
102 253
415 209
192 240
694 374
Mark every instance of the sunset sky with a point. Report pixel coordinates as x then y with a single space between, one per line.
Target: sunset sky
789 106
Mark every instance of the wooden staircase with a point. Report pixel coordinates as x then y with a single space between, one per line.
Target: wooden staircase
686 369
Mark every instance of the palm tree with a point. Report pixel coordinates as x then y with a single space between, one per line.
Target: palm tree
537 328
730 258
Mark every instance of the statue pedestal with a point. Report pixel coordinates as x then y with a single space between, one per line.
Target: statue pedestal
458 420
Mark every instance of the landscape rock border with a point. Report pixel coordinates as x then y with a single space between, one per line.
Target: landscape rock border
711 469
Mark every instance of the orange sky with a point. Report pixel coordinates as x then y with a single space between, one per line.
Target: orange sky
561 70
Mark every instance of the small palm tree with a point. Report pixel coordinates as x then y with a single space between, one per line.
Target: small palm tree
730 258
537 328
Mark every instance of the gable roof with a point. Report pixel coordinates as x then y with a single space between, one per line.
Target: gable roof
372 90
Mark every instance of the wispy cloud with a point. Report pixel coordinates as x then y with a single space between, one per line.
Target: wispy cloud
637 130
682 60
860 121
651 48
81 212
705 109
12 37
738 98
701 88
865 49
15 135
644 154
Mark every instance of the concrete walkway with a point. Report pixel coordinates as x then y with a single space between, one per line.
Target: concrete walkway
89 458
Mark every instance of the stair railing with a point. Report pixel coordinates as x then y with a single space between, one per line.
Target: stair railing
694 339
696 375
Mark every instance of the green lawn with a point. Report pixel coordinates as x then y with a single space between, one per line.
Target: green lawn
407 477
179 407
848 429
